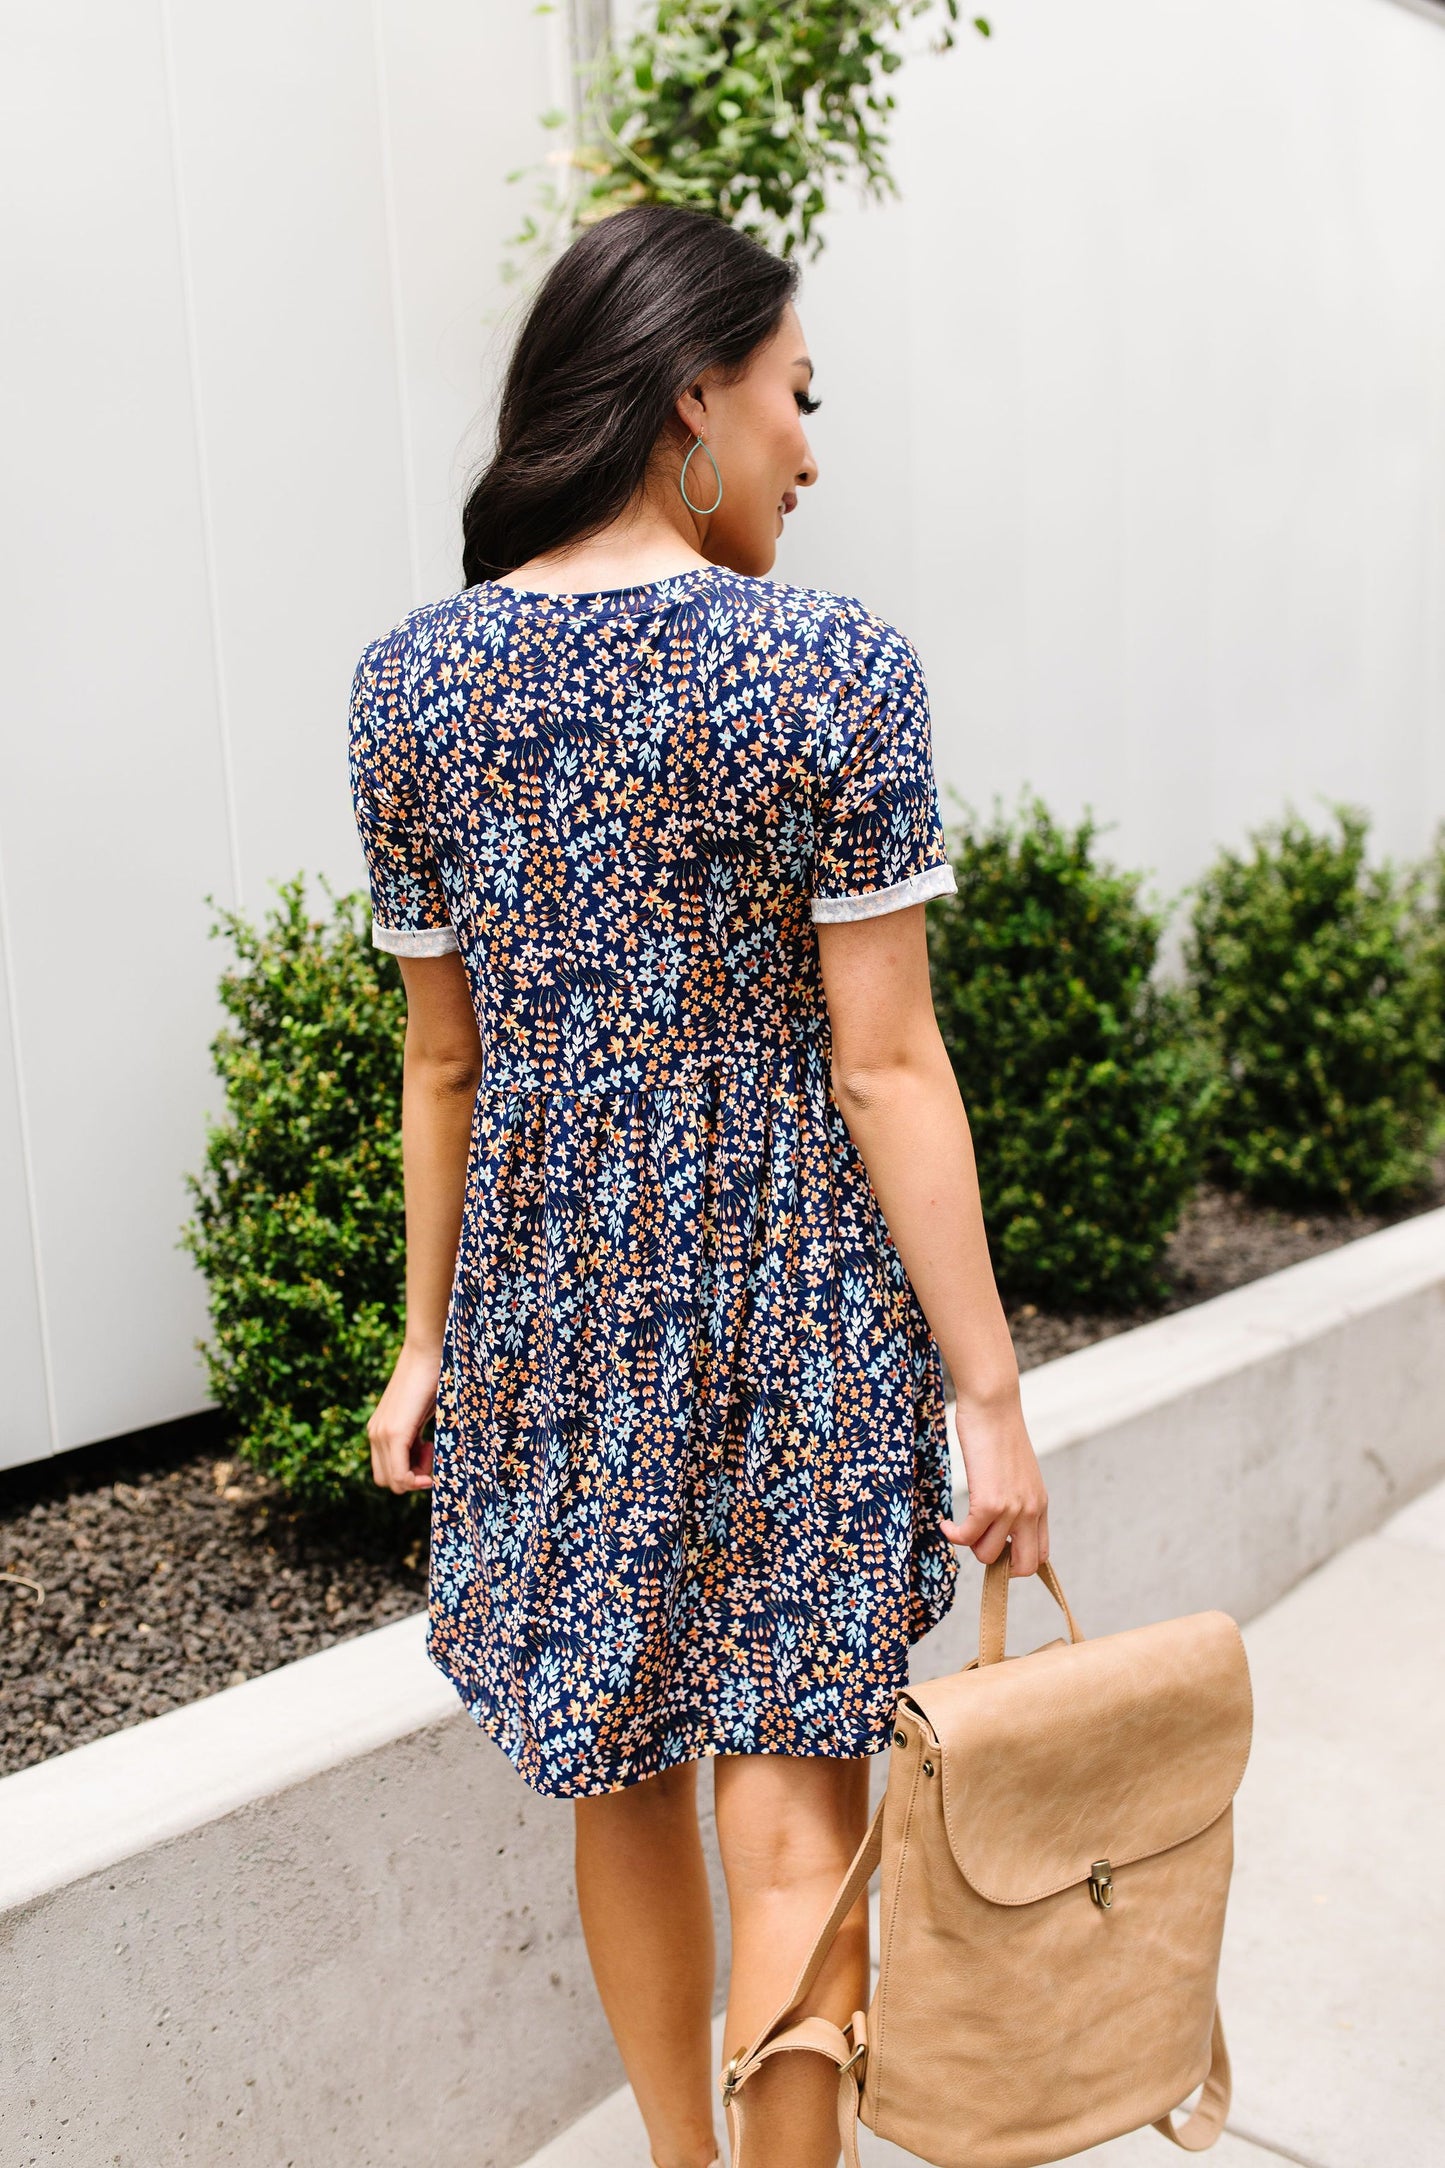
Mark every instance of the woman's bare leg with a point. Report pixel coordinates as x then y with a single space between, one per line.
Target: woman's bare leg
787 1828
646 1911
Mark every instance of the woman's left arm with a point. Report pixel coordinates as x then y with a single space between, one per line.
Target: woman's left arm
442 1066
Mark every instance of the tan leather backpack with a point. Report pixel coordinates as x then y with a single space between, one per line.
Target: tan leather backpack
1056 1839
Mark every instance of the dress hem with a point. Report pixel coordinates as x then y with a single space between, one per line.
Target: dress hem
491 1720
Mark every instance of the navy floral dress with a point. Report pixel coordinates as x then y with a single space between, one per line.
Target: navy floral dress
690 1446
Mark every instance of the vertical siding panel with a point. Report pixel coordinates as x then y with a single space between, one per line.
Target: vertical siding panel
26 1427
113 820
281 170
463 87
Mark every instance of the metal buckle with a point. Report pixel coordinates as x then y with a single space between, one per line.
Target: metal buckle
1101 1884
857 2054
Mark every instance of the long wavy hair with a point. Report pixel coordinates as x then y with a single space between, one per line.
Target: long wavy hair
626 318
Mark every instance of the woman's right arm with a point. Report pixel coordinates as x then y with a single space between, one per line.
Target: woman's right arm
442 1065
895 1086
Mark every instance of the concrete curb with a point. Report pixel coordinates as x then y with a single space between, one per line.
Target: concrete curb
1215 1456
85 1810
311 1919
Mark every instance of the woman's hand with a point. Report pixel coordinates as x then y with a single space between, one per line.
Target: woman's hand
401 1459
1007 1501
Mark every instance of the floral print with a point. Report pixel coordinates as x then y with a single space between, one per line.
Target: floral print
690 1449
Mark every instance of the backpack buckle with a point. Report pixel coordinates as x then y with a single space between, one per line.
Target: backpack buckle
1101 1883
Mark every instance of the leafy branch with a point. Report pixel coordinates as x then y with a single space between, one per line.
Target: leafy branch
738 107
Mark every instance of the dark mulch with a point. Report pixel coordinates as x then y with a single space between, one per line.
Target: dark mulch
169 1569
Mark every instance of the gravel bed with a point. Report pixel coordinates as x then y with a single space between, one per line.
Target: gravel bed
168 1569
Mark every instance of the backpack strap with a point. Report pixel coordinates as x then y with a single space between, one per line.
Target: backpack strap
1201 2129
821 2037
993 1605
788 2030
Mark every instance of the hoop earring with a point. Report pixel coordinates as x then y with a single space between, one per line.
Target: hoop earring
682 482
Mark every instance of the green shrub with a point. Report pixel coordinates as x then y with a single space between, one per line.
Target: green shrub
1088 1085
1318 978
299 1224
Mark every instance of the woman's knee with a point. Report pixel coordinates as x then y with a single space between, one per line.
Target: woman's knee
785 1822
669 1795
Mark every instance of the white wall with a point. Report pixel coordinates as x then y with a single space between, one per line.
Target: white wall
1153 354
1133 418
248 257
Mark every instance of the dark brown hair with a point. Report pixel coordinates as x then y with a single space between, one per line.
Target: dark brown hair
626 318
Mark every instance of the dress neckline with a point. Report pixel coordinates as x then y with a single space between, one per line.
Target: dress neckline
603 601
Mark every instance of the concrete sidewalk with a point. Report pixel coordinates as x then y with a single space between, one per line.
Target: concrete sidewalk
1333 1975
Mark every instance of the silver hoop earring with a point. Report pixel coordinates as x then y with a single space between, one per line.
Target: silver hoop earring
682 482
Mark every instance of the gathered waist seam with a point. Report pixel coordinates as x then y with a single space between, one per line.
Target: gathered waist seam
695 1073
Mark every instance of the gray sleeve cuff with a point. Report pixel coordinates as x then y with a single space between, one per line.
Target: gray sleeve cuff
933 881
423 941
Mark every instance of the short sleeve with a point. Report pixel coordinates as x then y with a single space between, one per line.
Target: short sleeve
879 833
408 902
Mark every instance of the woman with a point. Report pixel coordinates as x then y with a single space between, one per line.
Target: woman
691 1211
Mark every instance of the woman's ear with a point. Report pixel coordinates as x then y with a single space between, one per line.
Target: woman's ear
691 409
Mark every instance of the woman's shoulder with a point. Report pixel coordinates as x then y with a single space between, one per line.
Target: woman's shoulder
827 607
844 635
411 635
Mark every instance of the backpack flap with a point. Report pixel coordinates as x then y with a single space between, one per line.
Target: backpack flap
1094 1751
